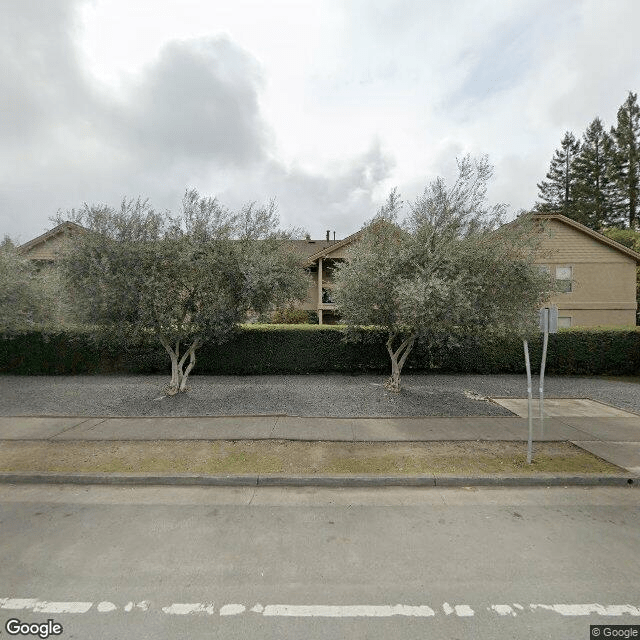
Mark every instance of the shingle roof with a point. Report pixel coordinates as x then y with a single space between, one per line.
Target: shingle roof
306 248
311 250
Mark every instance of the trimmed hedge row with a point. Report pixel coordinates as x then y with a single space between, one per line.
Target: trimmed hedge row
300 349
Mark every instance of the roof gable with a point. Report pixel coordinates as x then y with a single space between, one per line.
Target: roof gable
612 244
325 251
65 229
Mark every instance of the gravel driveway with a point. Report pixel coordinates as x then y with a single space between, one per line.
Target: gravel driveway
306 395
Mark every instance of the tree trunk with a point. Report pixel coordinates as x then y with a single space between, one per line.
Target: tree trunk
179 374
398 358
191 352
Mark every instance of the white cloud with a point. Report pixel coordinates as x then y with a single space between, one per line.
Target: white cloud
323 104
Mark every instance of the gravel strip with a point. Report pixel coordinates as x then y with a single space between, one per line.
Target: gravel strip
304 395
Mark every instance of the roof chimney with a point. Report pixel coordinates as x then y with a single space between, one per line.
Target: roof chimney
328 234
334 236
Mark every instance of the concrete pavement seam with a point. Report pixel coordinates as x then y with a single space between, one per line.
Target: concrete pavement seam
275 424
73 426
79 425
608 404
562 419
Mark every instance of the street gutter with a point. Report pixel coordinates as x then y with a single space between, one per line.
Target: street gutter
130 479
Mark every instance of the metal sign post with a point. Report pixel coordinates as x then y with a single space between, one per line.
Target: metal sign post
529 413
548 324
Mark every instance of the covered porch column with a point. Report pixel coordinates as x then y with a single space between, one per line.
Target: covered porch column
319 290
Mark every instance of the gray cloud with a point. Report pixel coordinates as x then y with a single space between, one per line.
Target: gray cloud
191 116
42 84
341 199
431 81
198 101
510 51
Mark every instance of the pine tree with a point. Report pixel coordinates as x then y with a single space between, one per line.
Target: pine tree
625 165
557 193
593 187
7 244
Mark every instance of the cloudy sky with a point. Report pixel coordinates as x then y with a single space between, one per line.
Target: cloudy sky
323 104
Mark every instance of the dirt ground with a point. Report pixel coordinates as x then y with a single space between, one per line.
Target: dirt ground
299 458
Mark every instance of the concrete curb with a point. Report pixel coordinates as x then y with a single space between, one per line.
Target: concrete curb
128 479
315 481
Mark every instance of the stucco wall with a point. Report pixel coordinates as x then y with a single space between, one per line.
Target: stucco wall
46 250
576 246
310 302
340 253
604 279
599 317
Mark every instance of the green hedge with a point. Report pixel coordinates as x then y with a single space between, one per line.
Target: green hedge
299 349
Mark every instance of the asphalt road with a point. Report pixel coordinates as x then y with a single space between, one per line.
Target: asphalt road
309 395
287 564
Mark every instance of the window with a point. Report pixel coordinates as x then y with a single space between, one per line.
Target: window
564 322
564 276
544 269
326 296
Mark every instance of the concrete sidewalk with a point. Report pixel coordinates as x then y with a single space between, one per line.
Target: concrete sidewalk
615 439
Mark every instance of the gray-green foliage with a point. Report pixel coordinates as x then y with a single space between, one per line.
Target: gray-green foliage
186 279
25 299
447 269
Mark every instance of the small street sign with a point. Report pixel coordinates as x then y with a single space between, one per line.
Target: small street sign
549 319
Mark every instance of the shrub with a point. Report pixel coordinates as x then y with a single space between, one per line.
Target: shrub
301 349
290 316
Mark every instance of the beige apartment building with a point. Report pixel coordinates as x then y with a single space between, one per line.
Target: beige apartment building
597 275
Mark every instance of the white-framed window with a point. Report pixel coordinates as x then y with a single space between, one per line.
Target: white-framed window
544 268
564 322
564 277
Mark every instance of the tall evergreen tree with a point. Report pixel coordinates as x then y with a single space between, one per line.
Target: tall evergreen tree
593 186
557 192
7 243
625 165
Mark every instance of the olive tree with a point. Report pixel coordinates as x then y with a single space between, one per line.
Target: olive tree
448 268
24 299
185 279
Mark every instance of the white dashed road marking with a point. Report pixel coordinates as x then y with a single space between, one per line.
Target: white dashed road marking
44 606
347 611
183 609
232 609
587 609
317 610
503 610
461 610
